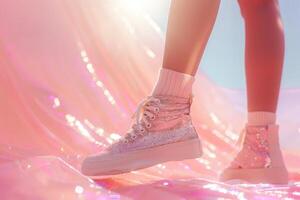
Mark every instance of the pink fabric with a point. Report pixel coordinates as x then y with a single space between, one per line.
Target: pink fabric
56 107
173 83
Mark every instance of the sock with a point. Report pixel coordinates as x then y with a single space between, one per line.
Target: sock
261 118
173 83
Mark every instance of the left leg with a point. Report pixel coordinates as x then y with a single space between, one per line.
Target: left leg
264 53
260 159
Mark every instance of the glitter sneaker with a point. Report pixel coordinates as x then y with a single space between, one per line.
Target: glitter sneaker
260 159
163 132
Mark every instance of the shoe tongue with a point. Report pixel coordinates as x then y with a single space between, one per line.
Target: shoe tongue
173 99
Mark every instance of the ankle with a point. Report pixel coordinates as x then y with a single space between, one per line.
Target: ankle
261 118
173 83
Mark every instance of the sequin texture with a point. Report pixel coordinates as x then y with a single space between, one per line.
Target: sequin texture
171 123
255 152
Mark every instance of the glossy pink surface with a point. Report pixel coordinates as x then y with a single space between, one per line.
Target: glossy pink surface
72 73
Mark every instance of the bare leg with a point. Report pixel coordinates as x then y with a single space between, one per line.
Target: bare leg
168 109
260 159
189 27
264 53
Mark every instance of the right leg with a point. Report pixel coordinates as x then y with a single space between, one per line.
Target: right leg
189 27
163 122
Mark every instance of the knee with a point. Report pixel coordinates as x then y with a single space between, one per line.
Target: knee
255 6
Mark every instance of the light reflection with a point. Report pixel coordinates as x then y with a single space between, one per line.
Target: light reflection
90 68
149 52
128 25
232 135
95 78
216 187
110 141
221 136
99 83
153 24
56 102
83 53
72 121
115 136
79 189
209 153
296 193
214 118
165 183
100 131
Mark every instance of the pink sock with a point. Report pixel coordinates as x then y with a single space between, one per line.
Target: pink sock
173 83
261 118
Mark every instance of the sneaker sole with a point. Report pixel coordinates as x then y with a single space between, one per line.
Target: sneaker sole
139 159
274 175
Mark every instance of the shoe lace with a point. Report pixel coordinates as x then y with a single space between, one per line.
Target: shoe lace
146 110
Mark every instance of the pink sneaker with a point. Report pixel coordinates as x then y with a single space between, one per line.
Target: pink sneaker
260 159
163 133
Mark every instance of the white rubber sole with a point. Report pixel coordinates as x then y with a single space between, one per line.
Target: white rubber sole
274 175
122 163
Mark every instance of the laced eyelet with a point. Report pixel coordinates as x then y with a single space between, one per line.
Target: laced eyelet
152 117
126 141
148 125
133 137
156 110
142 130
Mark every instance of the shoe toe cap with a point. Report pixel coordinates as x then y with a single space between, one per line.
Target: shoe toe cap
92 163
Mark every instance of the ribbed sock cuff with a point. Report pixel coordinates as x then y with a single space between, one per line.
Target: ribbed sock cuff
173 83
261 118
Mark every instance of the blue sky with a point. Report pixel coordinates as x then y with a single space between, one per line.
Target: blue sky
223 61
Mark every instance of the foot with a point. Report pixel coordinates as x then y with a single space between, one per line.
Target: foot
163 132
260 159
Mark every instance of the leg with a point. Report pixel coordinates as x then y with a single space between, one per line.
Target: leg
167 111
264 53
260 158
189 27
